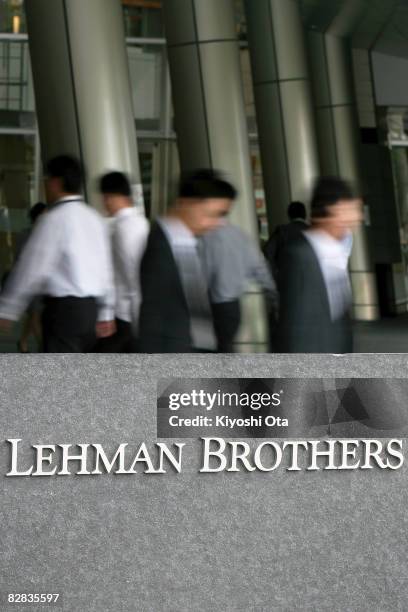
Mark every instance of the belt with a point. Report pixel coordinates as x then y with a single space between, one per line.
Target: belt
52 298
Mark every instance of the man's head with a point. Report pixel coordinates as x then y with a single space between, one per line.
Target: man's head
116 192
296 210
204 199
335 208
64 177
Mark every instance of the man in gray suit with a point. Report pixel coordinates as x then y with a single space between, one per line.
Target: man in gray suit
315 292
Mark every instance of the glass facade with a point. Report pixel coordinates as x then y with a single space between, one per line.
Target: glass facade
12 17
152 107
18 189
147 67
143 18
150 93
240 18
16 87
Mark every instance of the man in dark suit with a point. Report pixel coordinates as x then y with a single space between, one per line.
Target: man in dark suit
284 234
175 314
315 292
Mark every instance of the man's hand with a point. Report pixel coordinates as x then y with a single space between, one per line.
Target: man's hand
5 326
104 329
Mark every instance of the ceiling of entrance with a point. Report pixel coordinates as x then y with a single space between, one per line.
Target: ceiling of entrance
372 24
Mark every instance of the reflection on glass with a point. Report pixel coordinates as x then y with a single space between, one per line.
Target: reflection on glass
16 87
399 158
146 69
17 192
247 82
240 20
143 18
146 173
16 24
12 17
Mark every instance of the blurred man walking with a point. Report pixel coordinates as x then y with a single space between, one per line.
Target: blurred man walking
314 285
129 233
175 315
66 259
233 261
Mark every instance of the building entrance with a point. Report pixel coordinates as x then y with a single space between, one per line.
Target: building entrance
19 187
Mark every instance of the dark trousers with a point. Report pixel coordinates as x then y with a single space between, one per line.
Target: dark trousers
123 341
226 319
69 324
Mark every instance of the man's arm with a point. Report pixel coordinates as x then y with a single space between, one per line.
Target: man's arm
128 248
106 326
258 271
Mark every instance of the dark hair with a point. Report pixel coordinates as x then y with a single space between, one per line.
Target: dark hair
115 183
35 211
297 210
69 170
205 184
327 192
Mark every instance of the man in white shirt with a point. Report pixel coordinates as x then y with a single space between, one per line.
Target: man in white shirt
67 260
129 232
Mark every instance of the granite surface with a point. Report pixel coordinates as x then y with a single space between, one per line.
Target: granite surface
189 542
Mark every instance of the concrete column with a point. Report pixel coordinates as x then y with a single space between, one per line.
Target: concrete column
82 87
165 171
210 118
399 162
338 140
208 95
283 101
166 161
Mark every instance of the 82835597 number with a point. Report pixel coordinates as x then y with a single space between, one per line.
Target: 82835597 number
28 598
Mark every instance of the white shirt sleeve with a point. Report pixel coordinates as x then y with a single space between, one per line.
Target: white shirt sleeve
106 303
123 260
129 243
34 266
129 248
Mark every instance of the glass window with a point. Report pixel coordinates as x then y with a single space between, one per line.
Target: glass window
247 83
160 170
143 18
16 87
17 192
146 173
146 78
12 17
259 191
240 19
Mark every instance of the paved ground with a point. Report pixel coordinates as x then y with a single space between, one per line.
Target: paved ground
385 336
